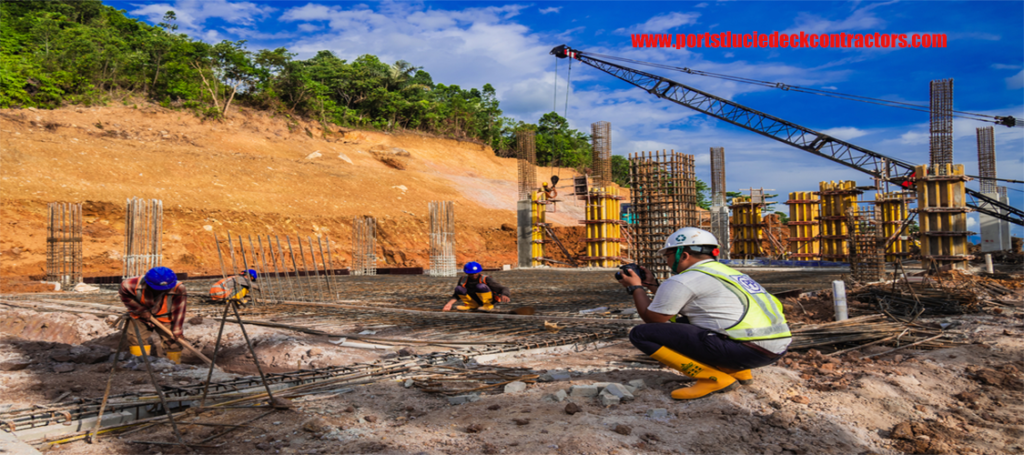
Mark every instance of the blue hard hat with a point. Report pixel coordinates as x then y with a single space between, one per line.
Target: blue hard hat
161 278
252 273
472 267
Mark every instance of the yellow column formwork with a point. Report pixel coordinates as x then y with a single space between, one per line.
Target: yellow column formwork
893 207
604 229
537 209
747 227
803 225
836 199
942 214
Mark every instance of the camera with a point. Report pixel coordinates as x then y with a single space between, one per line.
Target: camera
636 271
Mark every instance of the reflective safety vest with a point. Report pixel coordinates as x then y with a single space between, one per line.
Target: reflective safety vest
162 314
231 287
762 321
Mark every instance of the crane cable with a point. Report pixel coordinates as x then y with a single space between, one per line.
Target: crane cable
812 91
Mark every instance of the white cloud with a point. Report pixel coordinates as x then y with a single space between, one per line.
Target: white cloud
701 5
861 19
1016 81
1000 66
830 87
552 9
972 222
662 23
250 34
310 28
192 14
845 133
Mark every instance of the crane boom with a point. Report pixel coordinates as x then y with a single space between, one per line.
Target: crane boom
789 133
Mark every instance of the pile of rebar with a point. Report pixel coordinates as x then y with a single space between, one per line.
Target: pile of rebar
364 245
64 244
859 332
142 236
442 238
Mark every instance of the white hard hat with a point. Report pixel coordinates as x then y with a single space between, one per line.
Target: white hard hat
689 236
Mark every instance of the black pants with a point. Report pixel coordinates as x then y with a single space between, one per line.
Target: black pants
699 344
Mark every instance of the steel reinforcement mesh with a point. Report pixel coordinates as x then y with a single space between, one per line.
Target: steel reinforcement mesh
664 198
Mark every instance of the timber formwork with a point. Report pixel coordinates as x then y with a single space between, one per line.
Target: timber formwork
664 199
143 233
538 209
942 214
604 229
867 242
893 210
804 228
747 225
601 134
527 159
836 199
64 244
364 245
442 238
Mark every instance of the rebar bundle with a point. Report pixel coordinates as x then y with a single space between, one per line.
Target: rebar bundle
142 237
64 244
941 125
442 238
601 136
719 213
867 242
364 245
987 159
718 176
664 198
527 154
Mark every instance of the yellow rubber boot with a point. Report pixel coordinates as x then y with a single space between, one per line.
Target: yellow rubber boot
744 376
709 380
488 299
174 357
467 303
137 351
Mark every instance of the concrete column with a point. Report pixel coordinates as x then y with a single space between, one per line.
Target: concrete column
991 231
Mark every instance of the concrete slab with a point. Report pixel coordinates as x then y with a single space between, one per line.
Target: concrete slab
10 445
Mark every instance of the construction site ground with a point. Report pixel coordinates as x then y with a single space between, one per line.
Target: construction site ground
963 398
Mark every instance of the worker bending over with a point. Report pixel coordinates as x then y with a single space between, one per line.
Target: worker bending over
236 287
476 290
730 323
157 294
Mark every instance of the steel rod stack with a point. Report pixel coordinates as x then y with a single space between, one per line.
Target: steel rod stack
719 213
803 225
64 244
143 231
836 199
664 199
601 135
527 159
442 238
867 241
364 245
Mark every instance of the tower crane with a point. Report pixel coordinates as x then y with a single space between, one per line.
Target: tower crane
803 138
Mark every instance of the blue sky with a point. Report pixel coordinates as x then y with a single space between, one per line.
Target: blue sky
506 44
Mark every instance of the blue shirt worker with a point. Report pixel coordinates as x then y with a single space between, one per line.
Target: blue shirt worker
477 290
732 324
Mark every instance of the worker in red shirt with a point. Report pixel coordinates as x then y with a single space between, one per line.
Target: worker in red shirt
160 295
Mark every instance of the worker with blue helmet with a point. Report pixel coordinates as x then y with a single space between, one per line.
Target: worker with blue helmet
157 295
235 287
477 291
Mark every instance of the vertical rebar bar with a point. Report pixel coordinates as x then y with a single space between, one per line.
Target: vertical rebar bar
327 274
442 238
284 266
316 270
941 126
331 263
296 266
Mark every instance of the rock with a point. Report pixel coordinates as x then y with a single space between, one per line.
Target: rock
371 419
781 419
399 152
583 391
902 431
657 413
619 391
314 155
64 368
490 449
607 399
624 430
508 227
601 385
556 397
281 403
316 425
552 376
60 355
800 399
463 399
263 446
406 352
314 352
474 428
494 407
650 438
14 365
521 422
344 158
515 387
408 383
572 408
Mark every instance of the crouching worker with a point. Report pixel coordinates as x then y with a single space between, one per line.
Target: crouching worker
236 287
157 294
732 325
476 290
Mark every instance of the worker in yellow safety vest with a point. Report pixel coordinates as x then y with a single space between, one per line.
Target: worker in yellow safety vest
235 287
709 321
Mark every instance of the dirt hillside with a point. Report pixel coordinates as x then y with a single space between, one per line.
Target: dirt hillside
252 173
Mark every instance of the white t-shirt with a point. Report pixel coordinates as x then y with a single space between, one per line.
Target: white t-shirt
707 303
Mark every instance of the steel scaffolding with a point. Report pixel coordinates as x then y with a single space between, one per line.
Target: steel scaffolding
601 135
442 238
664 199
142 236
64 244
364 245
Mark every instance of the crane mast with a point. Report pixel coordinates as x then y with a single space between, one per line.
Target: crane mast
803 138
